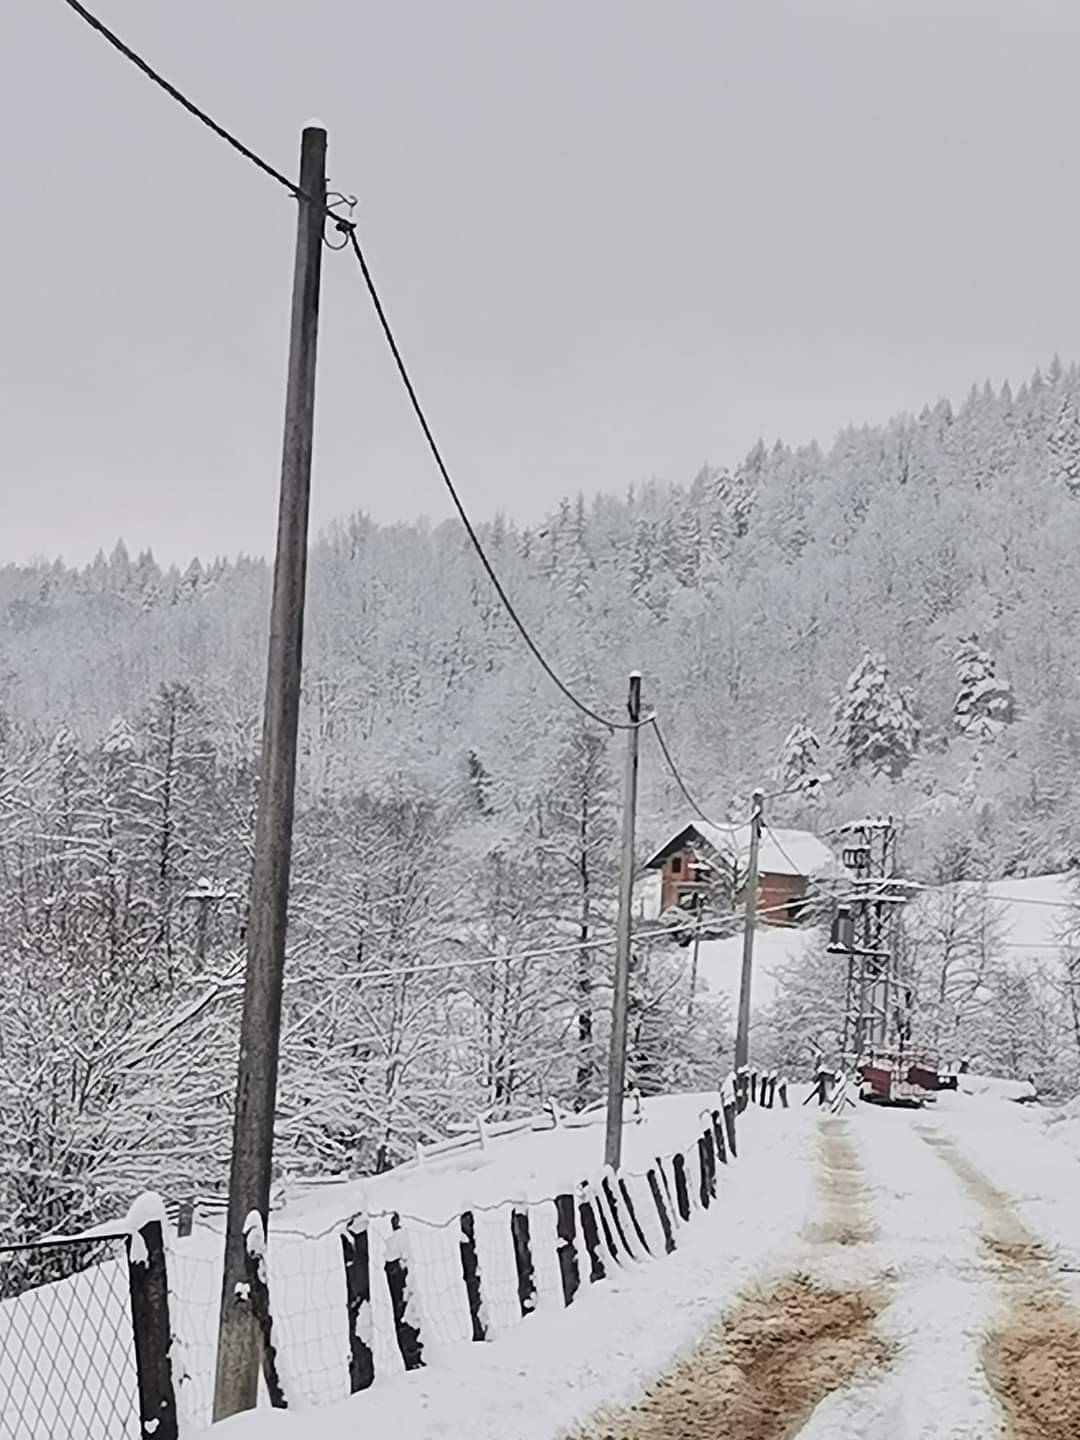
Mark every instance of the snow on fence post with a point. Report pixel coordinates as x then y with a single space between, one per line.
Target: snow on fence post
148 1287
591 1233
526 1273
605 1226
566 1230
355 1252
668 1196
753 1087
662 1211
741 1095
259 1299
729 1126
718 1137
406 1321
470 1273
682 1193
782 1087
707 1159
613 1206
624 1191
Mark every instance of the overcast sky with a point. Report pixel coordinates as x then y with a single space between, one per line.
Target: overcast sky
618 238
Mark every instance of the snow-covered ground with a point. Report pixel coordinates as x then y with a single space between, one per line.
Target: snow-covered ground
720 961
956 1217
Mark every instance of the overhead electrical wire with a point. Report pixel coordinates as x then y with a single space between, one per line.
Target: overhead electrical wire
477 544
181 99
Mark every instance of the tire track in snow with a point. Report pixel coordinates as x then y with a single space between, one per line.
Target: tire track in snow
1031 1356
763 1368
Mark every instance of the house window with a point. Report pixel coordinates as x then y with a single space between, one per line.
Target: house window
676 864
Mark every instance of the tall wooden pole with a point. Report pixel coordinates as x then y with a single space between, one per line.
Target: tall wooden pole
620 1002
742 1033
239 1344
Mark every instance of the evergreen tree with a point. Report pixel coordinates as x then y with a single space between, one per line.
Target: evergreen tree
800 756
984 703
874 727
1065 446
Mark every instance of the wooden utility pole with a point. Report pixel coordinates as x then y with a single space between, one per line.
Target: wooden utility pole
742 1033
620 1001
239 1344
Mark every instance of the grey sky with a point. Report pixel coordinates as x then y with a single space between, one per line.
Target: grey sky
617 238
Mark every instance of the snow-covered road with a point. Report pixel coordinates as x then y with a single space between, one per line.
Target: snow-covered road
935 1297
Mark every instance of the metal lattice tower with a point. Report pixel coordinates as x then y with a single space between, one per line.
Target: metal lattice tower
872 943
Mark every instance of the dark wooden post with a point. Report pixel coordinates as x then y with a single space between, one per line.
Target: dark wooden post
707 1158
566 1229
259 1293
470 1273
682 1192
668 1195
523 1259
624 1191
753 1087
185 1218
783 1094
397 1282
729 1126
591 1233
718 1137
605 1226
354 1248
613 1206
149 1289
662 1211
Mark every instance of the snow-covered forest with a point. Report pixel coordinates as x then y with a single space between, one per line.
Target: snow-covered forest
901 610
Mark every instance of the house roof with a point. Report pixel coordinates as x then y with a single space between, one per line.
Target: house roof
782 851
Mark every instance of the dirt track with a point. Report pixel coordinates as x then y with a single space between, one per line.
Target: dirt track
1032 1355
759 1373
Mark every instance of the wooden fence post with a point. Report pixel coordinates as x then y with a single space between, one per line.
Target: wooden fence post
591 1233
682 1192
624 1191
662 1211
783 1093
470 1273
259 1298
397 1280
707 1159
523 1259
729 1126
613 1206
149 1289
566 1229
605 1226
753 1087
718 1137
668 1196
355 1253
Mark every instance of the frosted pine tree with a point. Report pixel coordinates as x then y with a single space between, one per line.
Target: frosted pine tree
874 727
984 702
800 755
1065 446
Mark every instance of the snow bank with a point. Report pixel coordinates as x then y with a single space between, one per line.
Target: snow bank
995 1088
720 961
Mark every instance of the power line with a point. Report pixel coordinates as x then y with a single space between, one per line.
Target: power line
698 811
440 463
181 99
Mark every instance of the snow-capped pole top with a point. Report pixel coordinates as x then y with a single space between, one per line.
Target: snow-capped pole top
144 1209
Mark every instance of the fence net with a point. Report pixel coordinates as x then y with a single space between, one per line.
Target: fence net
67 1358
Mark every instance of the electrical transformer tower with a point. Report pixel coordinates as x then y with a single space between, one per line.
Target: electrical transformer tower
868 932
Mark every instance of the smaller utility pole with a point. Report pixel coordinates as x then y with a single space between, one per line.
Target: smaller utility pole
699 906
742 1033
620 1001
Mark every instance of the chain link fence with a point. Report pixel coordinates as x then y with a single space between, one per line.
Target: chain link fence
67 1358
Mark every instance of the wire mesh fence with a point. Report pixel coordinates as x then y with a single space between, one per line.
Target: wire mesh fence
67 1360
367 1296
